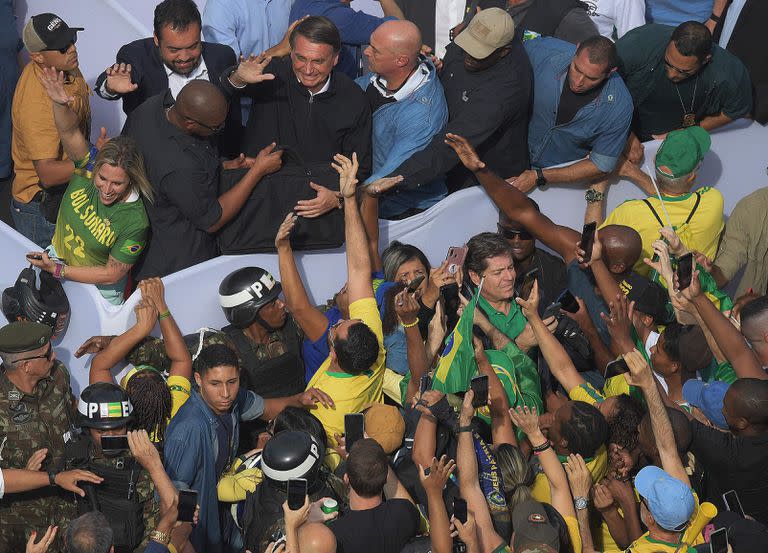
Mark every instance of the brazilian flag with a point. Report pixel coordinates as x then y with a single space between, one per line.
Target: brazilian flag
457 365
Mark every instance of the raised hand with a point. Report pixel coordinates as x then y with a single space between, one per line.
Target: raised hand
602 498
142 448
663 265
347 170
119 79
465 151
283 236
597 251
579 477
526 419
326 201
619 323
250 70
406 307
384 184
146 316
676 246
639 374
53 83
530 306
439 472
153 291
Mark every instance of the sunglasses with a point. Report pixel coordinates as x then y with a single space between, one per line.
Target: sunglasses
47 356
214 130
687 72
511 234
64 49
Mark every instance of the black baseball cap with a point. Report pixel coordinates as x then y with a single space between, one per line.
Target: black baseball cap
48 31
649 297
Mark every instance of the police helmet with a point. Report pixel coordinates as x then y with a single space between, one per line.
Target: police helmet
105 406
291 454
48 304
243 292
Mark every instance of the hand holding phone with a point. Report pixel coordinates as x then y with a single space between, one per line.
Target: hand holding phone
415 283
460 509
684 271
732 502
354 429
114 443
568 301
479 386
187 505
297 493
588 240
35 256
718 541
455 258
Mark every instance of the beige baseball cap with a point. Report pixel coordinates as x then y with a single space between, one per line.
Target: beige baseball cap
488 31
47 31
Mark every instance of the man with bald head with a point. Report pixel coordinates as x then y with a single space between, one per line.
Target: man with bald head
409 108
182 163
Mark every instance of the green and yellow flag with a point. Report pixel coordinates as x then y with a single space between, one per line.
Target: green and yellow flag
457 365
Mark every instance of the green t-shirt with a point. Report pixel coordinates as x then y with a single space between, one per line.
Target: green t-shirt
88 232
511 324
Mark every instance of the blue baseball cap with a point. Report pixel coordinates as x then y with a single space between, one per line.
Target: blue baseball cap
709 398
670 501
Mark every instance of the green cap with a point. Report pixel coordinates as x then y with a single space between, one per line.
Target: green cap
22 336
682 151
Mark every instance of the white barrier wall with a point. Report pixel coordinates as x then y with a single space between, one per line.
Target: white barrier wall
736 164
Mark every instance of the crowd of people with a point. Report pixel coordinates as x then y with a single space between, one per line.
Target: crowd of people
604 394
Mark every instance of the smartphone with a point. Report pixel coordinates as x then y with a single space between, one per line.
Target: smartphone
479 385
455 258
732 503
354 426
551 311
588 240
528 279
567 301
616 367
718 541
684 271
415 283
187 505
425 383
35 256
297 493
114 443
460 509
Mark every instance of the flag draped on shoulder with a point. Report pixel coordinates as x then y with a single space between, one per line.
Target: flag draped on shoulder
457 364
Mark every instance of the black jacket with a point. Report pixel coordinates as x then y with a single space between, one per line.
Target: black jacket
148 71
336 121
489 108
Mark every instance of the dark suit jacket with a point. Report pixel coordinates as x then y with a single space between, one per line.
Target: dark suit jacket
148 71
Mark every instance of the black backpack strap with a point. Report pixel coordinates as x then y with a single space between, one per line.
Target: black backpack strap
695 207
654 211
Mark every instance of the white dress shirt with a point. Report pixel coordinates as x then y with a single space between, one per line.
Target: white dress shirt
448 14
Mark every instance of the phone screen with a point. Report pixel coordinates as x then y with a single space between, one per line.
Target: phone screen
588 240
568 301
415 283
460 509
297 493
114 443
732 503
684 271
718 541
187 505
616 367
354 426
480 387
527 286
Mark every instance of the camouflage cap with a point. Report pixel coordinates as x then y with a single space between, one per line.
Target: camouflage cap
18 337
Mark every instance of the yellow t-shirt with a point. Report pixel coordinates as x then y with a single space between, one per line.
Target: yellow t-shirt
701 233
235 483
597 467
587 393
350 393
646 544
573 533
34 133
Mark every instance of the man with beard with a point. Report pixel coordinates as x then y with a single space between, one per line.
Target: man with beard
173 56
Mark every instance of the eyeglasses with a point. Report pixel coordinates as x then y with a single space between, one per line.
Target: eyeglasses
687 72
47 355
215 130
64 49
511 234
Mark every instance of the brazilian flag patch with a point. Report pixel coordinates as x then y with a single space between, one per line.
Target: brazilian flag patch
131 248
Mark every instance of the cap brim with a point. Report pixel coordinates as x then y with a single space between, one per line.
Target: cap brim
645 479
692 391
472 46
66 38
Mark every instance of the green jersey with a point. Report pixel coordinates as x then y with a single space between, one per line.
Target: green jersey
88 232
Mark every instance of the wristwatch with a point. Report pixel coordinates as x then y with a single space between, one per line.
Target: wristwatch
52 478
541 180
160 537
593 196
580 503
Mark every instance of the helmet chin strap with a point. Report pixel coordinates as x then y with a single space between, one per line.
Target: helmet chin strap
262 322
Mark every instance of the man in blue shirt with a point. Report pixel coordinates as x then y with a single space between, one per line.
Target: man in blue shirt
354 26
581 111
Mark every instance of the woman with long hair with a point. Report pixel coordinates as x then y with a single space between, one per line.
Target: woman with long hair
102 226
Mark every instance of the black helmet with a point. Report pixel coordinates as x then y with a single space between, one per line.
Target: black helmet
245 291
48 305
105 406
291 454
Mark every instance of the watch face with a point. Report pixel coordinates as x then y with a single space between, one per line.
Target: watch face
580 503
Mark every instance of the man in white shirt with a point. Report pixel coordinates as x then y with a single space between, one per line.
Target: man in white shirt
614 18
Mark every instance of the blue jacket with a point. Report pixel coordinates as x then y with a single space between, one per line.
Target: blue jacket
599 129
354 26
190 451
407 126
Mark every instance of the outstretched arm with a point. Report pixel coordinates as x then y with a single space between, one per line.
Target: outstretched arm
358 261
369 209
67 123
152 290
308 317
513 203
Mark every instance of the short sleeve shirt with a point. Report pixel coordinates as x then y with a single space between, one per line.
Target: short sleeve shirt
89 232
34 132
351 393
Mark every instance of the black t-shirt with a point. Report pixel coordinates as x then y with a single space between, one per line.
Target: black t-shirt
376 99
733 463
184 173
571 103
383 529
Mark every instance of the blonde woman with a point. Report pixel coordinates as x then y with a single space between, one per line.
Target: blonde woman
102 227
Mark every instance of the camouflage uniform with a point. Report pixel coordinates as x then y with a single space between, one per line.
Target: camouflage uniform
29 422
104 466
